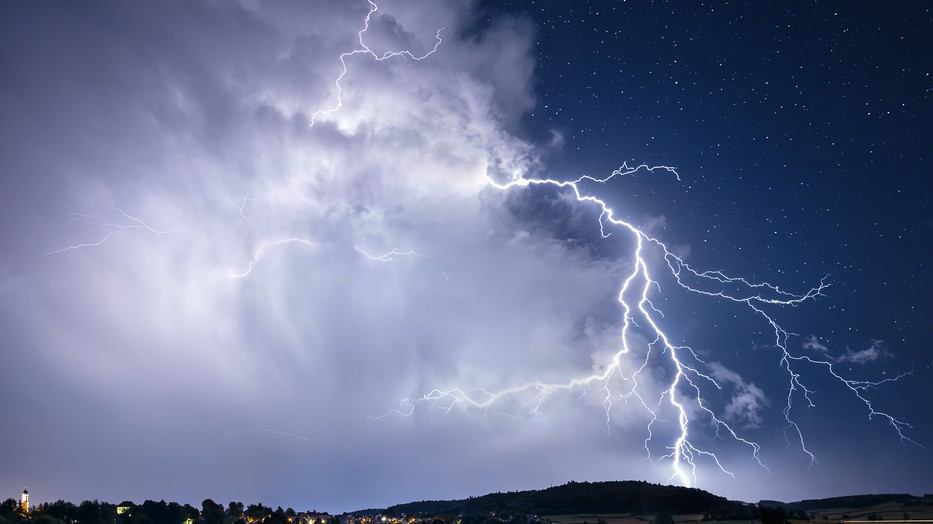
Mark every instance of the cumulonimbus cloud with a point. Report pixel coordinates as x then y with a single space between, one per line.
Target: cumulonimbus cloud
212 261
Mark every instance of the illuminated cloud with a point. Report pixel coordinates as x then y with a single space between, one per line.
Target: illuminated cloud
875 351
747 401
813 343
213 280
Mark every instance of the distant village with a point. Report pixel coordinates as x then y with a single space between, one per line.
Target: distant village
151 512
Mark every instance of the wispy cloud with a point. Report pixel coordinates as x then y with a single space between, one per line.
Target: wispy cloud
813 344
876 351
747 402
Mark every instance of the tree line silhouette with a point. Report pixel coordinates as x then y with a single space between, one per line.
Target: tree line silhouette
149 512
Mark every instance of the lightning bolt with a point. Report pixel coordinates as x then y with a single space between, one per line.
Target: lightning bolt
364 49
266 246
263 248
638 311
240 207
129 223
287 435
389 256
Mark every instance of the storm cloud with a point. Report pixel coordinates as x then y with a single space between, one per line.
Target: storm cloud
241 240
217 286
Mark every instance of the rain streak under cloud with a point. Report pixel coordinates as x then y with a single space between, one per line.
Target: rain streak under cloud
211 297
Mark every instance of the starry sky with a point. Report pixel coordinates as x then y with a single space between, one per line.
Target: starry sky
267 252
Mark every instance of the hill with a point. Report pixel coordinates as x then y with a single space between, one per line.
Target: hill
851 501
893 506
576 497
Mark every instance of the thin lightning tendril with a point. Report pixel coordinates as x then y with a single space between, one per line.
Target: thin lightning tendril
240 207
287 435
364 49
264 247
115 227
389 256
261 251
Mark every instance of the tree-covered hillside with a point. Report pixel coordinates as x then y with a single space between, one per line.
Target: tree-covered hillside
576 497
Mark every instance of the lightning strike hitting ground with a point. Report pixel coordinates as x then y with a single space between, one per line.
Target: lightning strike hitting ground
638 312
683 393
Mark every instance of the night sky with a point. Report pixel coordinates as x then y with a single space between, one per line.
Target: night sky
227 275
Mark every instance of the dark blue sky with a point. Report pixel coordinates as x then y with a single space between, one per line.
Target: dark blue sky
801 133
801 130
204 295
